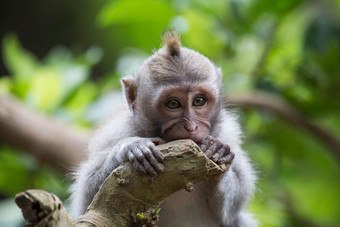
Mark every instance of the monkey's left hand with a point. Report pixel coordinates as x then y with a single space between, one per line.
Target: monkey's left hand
216 150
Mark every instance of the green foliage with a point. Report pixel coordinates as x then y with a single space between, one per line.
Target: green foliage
21 172
129 12
141 216
56 85
288 48
137 19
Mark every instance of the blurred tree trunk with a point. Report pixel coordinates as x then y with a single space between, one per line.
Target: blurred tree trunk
51 142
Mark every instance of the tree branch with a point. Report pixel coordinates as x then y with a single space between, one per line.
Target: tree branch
48 140
133 197
279 106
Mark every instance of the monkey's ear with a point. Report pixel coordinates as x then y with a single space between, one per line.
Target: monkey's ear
219 76
218 72
130 90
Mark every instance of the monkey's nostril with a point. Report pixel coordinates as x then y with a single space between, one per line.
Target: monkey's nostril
191 127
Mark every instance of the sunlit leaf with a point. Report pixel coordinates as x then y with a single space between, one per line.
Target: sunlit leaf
202 25
72 76
19 62
20 166
136 12
77 105
46 89
6 85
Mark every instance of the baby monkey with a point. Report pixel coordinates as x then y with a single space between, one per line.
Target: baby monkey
176 94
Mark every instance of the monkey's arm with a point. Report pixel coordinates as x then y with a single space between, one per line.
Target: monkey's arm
231 193
90 175
141 152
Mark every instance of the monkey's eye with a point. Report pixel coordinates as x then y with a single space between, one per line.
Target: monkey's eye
199 101
173 104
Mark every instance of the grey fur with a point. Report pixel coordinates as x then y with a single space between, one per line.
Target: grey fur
212 203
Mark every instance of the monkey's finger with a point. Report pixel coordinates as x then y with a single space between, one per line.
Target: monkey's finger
135 162
203 147
208 153
227 147
227 159
206 143
153 161
147 166
222 160
158 141
215 157
222 151
232 156
212 151
139 155
156 153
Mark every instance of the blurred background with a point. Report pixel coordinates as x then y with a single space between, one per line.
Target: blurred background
281 73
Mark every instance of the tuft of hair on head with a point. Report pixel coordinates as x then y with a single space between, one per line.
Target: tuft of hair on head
172 42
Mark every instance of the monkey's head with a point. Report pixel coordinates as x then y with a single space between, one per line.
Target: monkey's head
176 93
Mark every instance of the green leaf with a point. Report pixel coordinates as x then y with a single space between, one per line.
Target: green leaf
75 108
19 63
211 38
134 20
15 171
135 12
286 53
141 216
46 89
6 84
157 211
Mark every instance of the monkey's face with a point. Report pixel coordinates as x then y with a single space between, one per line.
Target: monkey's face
185 112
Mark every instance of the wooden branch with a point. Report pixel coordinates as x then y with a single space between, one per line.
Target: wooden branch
41 208
279 106
48 140
127 197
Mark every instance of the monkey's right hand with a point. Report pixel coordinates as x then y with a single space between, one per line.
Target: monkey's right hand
145 156
216 150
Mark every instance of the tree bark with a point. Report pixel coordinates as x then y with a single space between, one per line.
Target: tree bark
127 197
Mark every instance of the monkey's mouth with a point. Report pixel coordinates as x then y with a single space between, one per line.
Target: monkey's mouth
180 136
177 131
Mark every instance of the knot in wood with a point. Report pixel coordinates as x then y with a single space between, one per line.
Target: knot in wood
189 187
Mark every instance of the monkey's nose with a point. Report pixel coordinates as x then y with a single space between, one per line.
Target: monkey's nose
191 127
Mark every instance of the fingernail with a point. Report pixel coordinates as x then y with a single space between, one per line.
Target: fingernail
143 171
161 168
161 157
152 172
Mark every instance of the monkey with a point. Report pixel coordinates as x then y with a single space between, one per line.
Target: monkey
175 94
